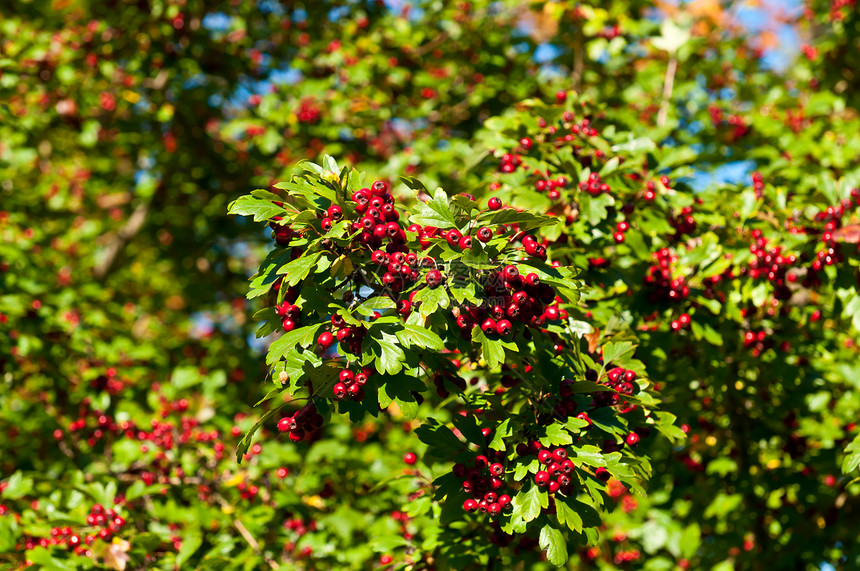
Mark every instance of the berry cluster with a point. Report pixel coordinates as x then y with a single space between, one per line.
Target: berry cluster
309 112
594 185
757 342
513 298
484 482
101 524
556 476
510 162
304 424
622 382
348 337
351 384
683 223
660 283
770 264
683 322
758 184
552 187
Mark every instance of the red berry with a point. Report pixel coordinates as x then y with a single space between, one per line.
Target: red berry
433 278
470 505
334 212
488 326
410 458
551 313
325 340
485 234
526 143
545 457
504 327
542 478
495 203
339 391
559 455
632 439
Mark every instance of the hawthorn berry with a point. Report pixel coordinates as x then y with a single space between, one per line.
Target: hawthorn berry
410 458
433 278
495 203
545 457
339 391
325 340
489 326
504 327
542 478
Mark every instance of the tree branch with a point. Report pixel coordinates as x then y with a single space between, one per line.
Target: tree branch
127 232
668 85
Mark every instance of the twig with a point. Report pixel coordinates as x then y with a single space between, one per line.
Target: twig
243 531
126 233
578 61
668 85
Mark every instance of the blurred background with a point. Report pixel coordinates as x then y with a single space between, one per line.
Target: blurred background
128 354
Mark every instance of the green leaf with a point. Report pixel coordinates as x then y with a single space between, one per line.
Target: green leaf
672 37
374 304
590 454
555 545
435 212
298 269
17 486
527 506
191 542
666 425
594 208
414 183
432 299
525 219
245 443
618 353
556 435
493 350
640 145
852 456
567 515
258 208
409 408
303 336
412 335
45 560
441 440
468 427
388 355
502 431
690 540
610 167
